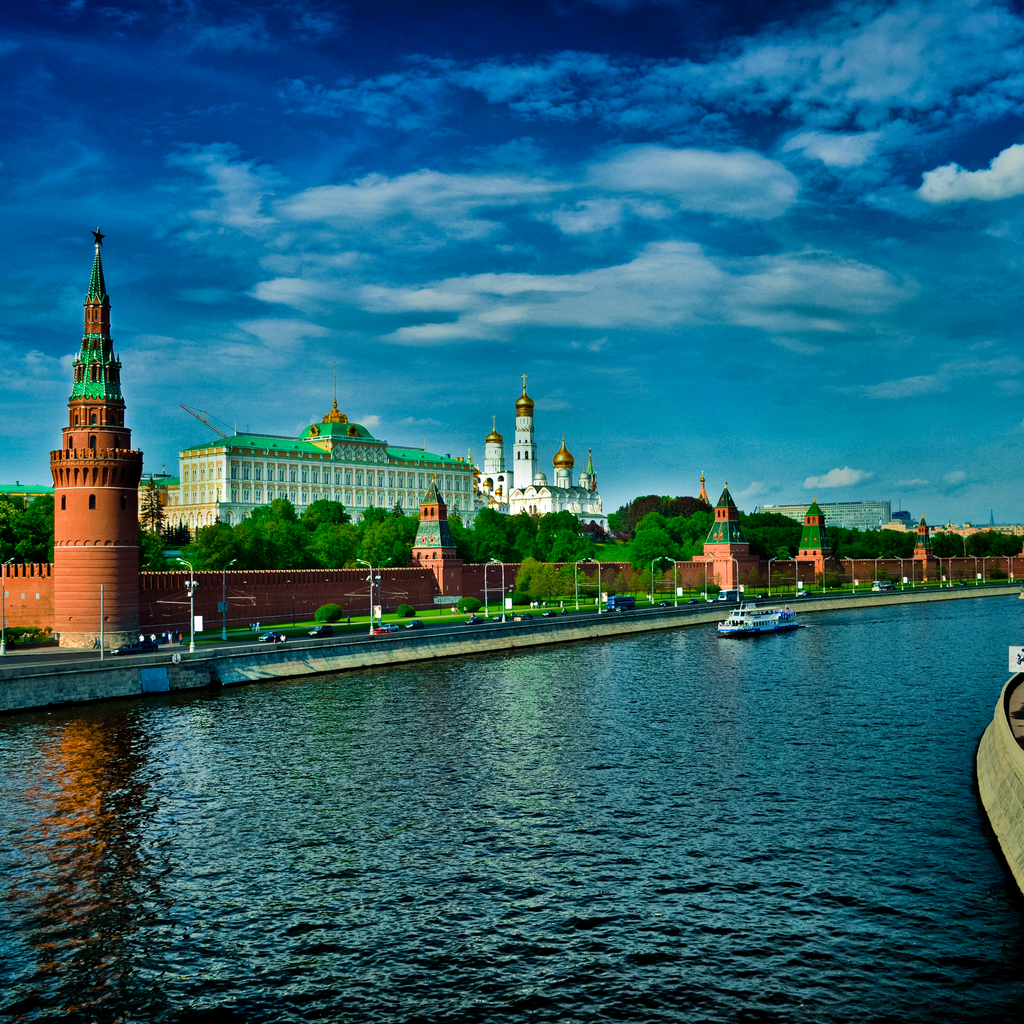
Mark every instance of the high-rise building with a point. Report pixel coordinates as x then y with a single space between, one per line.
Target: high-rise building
96 492
849 515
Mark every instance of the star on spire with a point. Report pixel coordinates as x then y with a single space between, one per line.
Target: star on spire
98 237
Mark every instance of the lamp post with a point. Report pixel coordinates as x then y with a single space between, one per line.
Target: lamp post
705 580
495 561
653 560
370 580
224 599
576 582
191 588
975 557
736 562
877 560
796 574
675 583
3 607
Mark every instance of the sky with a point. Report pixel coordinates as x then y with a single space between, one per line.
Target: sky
776 243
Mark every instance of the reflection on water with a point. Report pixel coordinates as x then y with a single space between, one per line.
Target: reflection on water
669 827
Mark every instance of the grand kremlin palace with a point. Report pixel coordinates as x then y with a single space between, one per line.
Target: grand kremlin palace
333 459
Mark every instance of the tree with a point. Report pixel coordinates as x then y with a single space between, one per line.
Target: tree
151 508
214 546
333 545
151 551
388 541
651 543
324 511
34 541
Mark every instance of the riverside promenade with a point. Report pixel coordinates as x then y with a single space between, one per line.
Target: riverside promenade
46 682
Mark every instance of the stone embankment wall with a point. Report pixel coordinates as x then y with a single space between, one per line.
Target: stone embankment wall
43 684
999 771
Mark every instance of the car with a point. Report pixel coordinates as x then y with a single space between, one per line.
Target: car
414 624
549 615
761 597
387 627
139 647
272 636
475 620
693 600
523 618
664 604
322 631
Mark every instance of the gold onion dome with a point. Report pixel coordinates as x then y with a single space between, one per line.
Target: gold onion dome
494 435
563 459
335 416
524 404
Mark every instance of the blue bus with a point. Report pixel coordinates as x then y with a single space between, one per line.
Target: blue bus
621 603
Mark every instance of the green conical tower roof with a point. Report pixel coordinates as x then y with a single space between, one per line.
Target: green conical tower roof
726 528
96 367
432 497
97 286
814 536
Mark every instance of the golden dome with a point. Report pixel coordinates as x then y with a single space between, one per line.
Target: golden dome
524 405
494 435
335 416
562 459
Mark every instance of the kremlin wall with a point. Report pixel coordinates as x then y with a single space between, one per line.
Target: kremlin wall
96 476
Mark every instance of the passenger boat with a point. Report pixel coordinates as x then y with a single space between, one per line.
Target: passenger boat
750 620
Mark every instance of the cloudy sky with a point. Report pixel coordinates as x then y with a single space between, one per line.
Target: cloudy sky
778 243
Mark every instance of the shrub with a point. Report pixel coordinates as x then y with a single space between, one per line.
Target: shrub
713 588
328 613
997 574
519 598
405 611
469 604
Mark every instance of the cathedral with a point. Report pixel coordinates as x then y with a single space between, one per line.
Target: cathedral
525 487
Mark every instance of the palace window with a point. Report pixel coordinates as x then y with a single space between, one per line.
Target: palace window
447 483
280 474
305 475
71 440
259 473
92 441
258 494
316 476
63 502
245 494
359 478
305 497
92 501
359 500
234 494
202 472
348 497
295 497
234 475
380 479
369 500
219 469
337 477
291 476
391 479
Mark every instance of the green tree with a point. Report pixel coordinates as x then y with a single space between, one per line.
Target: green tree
388 541
324 511
152 511
490 536
769 531
34 542
651 542
151 552
213 547
333 545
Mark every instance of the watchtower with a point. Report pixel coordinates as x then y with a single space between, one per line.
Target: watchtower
96 492
434 548
726 547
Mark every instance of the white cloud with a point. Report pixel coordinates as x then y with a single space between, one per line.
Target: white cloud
834 149
912 484
956 477
952 184
755 489
740 183
908 386
844 477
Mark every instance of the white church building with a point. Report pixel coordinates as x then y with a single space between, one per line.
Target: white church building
524 487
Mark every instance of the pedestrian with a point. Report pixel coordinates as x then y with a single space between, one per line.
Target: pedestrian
142 638
348 621
152 638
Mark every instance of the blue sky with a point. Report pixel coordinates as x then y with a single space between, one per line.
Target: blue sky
776 243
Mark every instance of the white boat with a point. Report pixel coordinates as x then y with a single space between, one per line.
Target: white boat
750 620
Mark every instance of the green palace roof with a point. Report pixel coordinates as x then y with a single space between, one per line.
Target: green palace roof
261 441
17 488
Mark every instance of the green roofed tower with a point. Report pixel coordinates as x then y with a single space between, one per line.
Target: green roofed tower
726 549
814 538
434 547
726 527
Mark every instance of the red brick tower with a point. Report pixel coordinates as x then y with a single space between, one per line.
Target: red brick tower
434 548
726 547
96 492
814 543
923 556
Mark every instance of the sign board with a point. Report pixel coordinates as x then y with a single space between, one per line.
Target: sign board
1017 659
197 624
679 591
977 575
743 587
376 611
222 606
446 599
508 604
905 580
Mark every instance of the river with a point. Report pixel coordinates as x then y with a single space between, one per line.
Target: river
671 827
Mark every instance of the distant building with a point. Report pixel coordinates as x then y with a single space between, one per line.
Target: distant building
23 493
225 479
849 515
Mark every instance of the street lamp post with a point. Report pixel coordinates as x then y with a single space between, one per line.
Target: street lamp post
736 562
705 580
796 575
576 582
770 560
3 607
191 588
653 560
495 561
224 600
370 580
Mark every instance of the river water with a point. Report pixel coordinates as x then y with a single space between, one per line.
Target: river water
667 828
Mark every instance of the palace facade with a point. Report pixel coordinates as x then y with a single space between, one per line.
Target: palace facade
226 479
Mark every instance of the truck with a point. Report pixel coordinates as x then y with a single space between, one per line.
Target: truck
880 585
621 603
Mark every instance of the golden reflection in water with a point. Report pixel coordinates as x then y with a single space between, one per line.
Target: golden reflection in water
79 896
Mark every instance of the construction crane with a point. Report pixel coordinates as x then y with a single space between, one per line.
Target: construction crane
201 416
